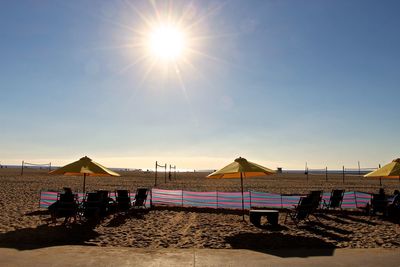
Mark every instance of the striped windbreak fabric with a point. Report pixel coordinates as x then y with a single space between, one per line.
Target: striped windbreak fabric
224 200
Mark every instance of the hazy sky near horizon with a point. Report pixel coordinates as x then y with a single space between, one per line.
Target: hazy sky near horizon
278 82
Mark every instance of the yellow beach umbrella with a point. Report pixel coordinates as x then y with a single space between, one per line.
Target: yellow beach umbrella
241 168
86 167
391 170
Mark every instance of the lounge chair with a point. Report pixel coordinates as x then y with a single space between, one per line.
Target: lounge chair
302 211
335 200
140 198
393 209
123 200
379 203
93 205
106 202
315 197
66 206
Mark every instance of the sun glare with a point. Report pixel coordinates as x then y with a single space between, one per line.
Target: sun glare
167 43
169 39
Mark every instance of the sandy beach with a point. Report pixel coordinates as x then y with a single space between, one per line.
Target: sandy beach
283 105
24 225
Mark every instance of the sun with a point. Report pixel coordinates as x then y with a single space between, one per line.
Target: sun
167 38
167 43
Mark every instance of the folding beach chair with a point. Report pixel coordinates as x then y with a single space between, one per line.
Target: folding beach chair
393 210
66 206
93 205
106 202
123 200
316 197
335 200
140 198
302 211
379 203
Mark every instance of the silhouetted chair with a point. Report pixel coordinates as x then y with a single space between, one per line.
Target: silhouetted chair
106 201
93 205
335 200
379 203
123 200
65 206
140 198
315 198
394 208
302 211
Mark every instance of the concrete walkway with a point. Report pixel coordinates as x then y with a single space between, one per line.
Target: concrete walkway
99 256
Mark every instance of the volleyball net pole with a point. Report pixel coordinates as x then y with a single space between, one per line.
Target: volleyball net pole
25 164
165 172
169 174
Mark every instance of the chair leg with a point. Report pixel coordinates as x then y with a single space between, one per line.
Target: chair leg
289 213
296 221
53 218
293 218
316 217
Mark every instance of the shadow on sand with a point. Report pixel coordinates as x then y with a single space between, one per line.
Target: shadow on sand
357 219
120 218
47 236
322 231
282 245
333 218
272 228
38 213
331 228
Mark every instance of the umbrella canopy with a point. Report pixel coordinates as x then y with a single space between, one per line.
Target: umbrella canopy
86 167
391 170
241 168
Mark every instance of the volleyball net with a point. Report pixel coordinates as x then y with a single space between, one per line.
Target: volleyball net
37 166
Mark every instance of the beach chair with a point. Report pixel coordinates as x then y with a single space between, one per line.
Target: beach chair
106 202
66 206
123 200
379 203
140 198
335 200
316 197
393 210
302 211
93 205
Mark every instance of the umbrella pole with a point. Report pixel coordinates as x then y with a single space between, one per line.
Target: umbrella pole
84 182
241 181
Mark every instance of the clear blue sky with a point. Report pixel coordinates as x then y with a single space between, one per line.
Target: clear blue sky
277 82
